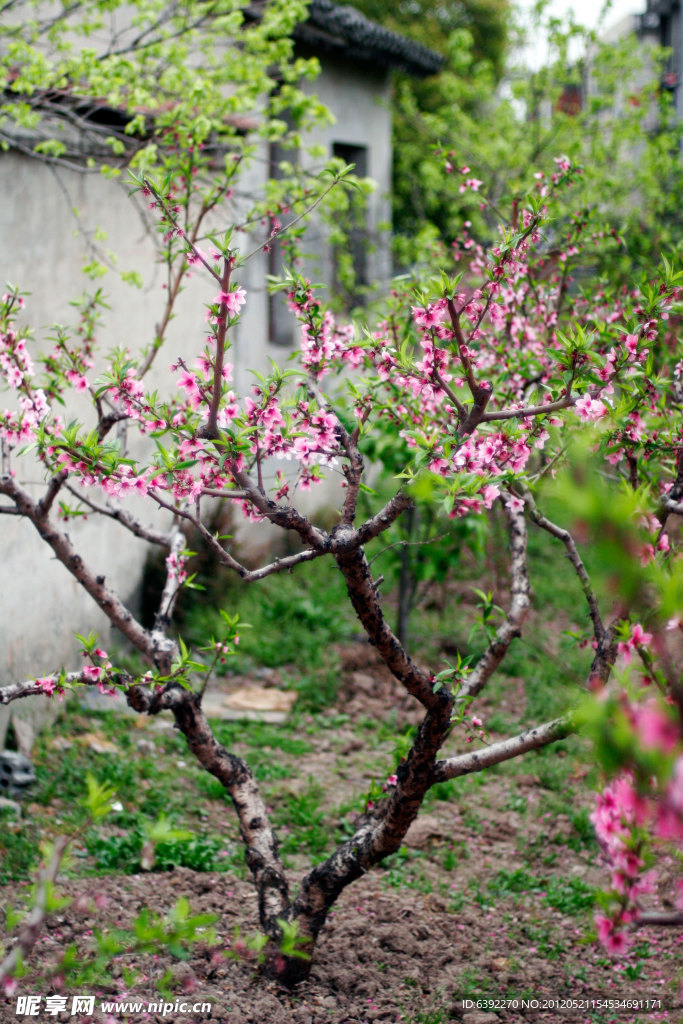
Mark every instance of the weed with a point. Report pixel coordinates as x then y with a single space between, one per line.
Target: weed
517 802
19 845
456 903
449 860
568 895
444 790
124 852
583 836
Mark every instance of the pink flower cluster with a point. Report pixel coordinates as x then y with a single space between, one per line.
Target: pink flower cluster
630 814
175 568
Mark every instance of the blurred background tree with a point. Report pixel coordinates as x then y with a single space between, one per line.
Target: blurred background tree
606 105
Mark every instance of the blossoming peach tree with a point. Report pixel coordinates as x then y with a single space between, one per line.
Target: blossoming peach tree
504 384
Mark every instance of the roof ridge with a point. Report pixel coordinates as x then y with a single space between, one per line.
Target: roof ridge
350 32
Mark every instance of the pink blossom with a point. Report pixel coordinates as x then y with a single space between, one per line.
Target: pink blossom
514 504
47 685
77 379
472 183
188 382
605 927
590 409
639 637
617 943
489 494
233 300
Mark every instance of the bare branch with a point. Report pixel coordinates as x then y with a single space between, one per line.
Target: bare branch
248 575
383 519
288 227
285 516
448 390
574 557
261 845
650 918
363 595
521 593
538 410
504 750
384 827
53 489
124 517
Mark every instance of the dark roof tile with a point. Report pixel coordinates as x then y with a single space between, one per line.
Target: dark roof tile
336 28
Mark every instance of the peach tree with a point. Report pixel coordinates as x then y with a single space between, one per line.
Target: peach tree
505 386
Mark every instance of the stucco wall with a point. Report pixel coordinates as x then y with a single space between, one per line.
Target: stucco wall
45 245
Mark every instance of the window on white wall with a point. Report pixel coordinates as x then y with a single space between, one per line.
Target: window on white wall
281 323
353 255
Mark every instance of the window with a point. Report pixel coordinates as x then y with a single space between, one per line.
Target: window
281 322
351 260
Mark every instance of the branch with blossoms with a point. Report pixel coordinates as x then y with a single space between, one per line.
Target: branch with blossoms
479 381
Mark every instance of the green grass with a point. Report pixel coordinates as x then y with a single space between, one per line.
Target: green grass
567 895
19 840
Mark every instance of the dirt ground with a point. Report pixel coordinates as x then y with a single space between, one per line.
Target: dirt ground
423 940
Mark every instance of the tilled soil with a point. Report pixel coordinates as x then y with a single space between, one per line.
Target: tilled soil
383 956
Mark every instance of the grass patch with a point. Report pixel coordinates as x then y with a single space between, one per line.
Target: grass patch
568 895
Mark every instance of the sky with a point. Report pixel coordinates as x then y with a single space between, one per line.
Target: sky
590 13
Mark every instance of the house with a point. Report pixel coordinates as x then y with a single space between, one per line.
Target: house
662 25
45 243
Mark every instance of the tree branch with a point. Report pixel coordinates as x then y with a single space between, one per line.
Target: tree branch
211 429
162 619
382 831
30 688
504 750
354 566
261 845
353 471
519 606
383 519
285 516
124 517
574 557
649 918
248 575
53 489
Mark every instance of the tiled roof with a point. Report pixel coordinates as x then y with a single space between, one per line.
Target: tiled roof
343 31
